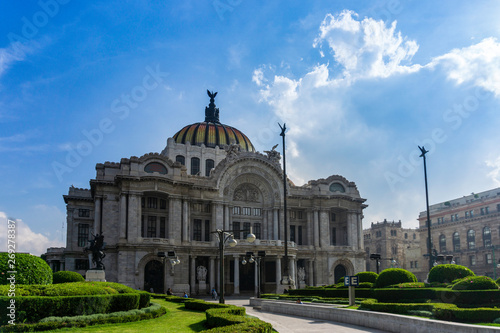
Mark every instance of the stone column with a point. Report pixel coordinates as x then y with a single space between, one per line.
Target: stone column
359 221
236 275
324 223
279 287
227 218
316 228
123 217
275 224
264 229
175 219
352 229
134 217
185 220
212 273
97 216
193 275
310 228
218 218
292 264
310 279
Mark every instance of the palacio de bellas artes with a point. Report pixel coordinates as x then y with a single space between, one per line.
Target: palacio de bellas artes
159 215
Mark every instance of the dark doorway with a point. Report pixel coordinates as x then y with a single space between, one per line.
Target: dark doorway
339 272
153 276
247 278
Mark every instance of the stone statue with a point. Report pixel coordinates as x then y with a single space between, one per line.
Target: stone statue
232 151
273 155
97 248
201 273
301 273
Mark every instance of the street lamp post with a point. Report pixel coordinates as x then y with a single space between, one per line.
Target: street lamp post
286 279
429 242
227 235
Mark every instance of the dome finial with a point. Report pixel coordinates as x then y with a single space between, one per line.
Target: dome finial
211 112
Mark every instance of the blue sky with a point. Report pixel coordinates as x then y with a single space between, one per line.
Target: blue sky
359 84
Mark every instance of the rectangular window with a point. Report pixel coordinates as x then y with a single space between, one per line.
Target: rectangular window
300 215
411 264
471 213
256 230
487 210
197 230
466 214
257 212
207 230
299 236
472 260
333 237
195 166
236 230
152 203
163 204
83 234
81 264
143 226
482 210
247 211
236 210
334 217
143 202
489 259
151 226
292 233
246 229
416 264
293 214
163 227
83 212
270 271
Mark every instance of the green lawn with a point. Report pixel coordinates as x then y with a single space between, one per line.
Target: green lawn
177 320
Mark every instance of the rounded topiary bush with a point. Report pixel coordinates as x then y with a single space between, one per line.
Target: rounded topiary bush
392 276
475 283
30 269
67 276
367 277
447 273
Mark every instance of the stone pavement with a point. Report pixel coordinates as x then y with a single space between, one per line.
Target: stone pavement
285 323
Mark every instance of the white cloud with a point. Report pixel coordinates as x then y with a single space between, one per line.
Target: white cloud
15 52
478 64
367 48
495 173
26 240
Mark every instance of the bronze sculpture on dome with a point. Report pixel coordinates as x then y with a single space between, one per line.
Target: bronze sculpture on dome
211 112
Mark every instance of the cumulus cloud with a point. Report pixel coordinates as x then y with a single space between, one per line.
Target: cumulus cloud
478 64
367 48
494 174
26 239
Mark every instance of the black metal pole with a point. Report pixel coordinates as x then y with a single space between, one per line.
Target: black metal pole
429 242
283 128
221 263
378 264
258 277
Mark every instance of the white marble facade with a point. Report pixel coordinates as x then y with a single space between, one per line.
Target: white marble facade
151 204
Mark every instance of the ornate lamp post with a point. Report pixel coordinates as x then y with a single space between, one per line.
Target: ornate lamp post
286 279
227 236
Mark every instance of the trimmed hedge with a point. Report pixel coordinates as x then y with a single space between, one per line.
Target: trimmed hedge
29 269
475 283
447 273
367 277
67 276
230 320
392 276
51 323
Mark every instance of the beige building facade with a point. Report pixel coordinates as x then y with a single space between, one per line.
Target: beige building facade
210 177
398 247
467 228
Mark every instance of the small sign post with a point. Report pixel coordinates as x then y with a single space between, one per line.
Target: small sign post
351 282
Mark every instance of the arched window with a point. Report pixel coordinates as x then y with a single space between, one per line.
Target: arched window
471 239
181 159
486 236
337 187
456 241
155 167
209 165
195 165
442 243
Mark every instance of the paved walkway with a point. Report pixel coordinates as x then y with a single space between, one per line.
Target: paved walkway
290 324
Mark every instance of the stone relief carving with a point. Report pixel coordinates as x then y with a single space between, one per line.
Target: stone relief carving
246 192
201 273
301 273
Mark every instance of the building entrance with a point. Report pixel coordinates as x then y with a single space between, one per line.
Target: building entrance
153 276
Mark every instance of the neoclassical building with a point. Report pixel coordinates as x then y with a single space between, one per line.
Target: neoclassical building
210 177
466 228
